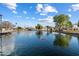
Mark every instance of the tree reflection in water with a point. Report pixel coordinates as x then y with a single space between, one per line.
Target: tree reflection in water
39 34
62 40
48 33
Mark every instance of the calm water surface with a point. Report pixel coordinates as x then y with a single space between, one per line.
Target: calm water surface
39 43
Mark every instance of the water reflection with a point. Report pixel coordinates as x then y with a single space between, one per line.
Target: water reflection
0 44
39 43
62 40
78 38
7 44
48 33
39 34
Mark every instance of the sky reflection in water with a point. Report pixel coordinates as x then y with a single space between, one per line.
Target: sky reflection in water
39 43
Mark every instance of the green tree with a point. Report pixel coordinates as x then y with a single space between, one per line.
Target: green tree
39 27
19 28
68 24
60 20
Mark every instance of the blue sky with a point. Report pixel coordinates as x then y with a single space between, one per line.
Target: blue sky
30 14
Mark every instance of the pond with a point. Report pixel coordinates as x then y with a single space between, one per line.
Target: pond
39 43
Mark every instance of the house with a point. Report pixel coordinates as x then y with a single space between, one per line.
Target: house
75 27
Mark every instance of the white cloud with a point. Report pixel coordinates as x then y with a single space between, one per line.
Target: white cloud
75 7
31 7
27 17
45 8
49 19
11 6
33 17
43 14
4 19
69 10
39 7
50 9
14 12
69 15
25 12
19 16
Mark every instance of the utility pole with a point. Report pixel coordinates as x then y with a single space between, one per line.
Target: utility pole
0 22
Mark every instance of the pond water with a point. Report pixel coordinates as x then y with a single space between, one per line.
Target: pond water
39 43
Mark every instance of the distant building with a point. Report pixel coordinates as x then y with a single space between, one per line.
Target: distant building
75 27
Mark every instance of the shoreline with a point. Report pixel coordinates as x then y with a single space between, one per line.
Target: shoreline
65 32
